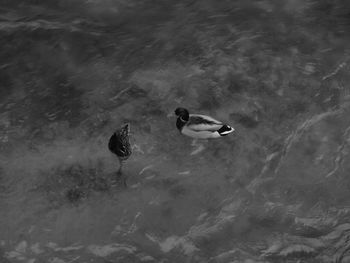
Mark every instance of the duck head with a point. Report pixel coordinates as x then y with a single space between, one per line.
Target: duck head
182 117
123 131
182 113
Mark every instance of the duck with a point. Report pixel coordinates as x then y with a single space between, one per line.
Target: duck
119 144
200 126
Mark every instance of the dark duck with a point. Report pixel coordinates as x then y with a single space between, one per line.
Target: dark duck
119 145
200 126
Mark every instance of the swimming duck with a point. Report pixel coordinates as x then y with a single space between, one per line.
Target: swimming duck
119 145
200 126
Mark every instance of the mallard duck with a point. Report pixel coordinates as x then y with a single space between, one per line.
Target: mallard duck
200 126
119 145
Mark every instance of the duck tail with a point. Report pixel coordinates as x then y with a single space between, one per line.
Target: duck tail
225 129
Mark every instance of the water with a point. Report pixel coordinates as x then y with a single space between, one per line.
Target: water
277 190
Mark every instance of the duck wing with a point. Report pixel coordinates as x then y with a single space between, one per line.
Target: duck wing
119 145
198 122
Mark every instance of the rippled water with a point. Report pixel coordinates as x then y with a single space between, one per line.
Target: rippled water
277 190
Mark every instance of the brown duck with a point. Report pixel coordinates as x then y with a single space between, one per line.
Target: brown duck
119 145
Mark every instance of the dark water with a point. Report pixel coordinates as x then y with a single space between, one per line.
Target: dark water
277 190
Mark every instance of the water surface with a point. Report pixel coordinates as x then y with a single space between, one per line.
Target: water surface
277 190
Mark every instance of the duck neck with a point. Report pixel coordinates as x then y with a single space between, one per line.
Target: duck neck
180 123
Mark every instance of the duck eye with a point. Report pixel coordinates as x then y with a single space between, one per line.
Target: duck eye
182 119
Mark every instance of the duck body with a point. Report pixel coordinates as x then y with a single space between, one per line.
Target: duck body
119 143
200 126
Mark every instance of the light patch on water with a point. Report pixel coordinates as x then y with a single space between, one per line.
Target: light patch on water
152 237
118 230
145 168
134 186
206 229
174 242
137 149
297 134
35 248
227 256
202 216
184 172
22 247
199 149
150 177
14 255
336 70
296 249
106 250
155 201
147 259
338 231
133 226
314 222
18 252
56 260
309 69
68 249
33 25
273 249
